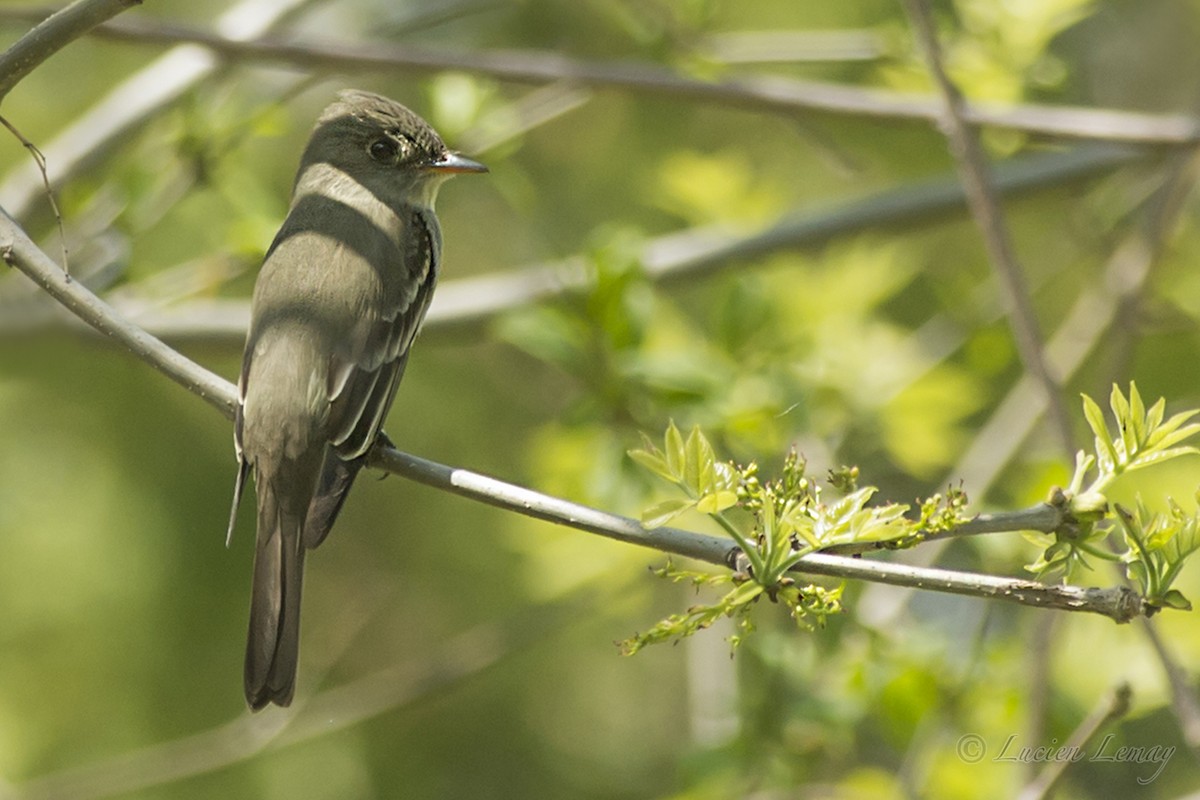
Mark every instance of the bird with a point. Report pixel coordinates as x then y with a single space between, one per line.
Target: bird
337 303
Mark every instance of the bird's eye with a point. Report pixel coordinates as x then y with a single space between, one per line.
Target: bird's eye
383 150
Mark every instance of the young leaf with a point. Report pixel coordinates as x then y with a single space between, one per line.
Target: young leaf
1158 456
673 450
716 502
1137 416
1095 420
1175 599
652 461
1173 431
697 461
662 513
1120 409
1154 417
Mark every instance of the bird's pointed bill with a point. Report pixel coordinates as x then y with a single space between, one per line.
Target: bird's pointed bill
454 163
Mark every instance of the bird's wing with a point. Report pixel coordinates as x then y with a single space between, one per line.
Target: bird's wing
361 389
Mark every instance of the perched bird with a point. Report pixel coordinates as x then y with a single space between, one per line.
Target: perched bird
337 304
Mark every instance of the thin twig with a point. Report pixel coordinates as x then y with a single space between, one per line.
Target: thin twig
989 216
326 711
1039 682
40 161
1126 273
113 118
18 251
1184 703
1110 709
1125 276
246 736
1119 604
53 34
769 93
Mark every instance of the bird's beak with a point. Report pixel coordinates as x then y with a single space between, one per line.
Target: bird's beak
453 163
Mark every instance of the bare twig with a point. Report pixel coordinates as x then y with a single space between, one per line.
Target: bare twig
1039 684
245 737
137 99
1184 703
323 712
1124 277
53 34
40 161
1127 272
18 251
793 46
1110 709
768 93
985 208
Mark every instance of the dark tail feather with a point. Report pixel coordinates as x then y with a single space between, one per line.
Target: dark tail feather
337 476
273 645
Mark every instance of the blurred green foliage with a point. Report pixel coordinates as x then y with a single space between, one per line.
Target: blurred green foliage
451 650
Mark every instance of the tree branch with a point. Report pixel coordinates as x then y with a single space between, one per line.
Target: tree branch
769 93
1184 703
18 251
112 119
1110 709
989 216
53 34
1120 603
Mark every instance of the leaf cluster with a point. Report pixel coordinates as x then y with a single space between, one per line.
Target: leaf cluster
1139 437
776 523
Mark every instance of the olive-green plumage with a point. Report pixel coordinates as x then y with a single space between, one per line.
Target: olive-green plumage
337 304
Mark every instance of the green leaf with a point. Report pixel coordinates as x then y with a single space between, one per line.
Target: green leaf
1095 420
1120 408
742 594
1171 433
1137 416
1154 417
1083 463
662 513
1159 456
673 451
716 502
840 512
652 461
698 462
1175 599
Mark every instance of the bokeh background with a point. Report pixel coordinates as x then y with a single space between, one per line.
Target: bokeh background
783 274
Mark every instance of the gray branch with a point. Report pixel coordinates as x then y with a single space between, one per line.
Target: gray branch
769 93
113 118
989 216
1119 604
53 34
18 251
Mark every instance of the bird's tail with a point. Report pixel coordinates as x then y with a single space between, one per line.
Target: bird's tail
272 649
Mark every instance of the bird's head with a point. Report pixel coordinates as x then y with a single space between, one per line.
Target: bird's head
383 146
